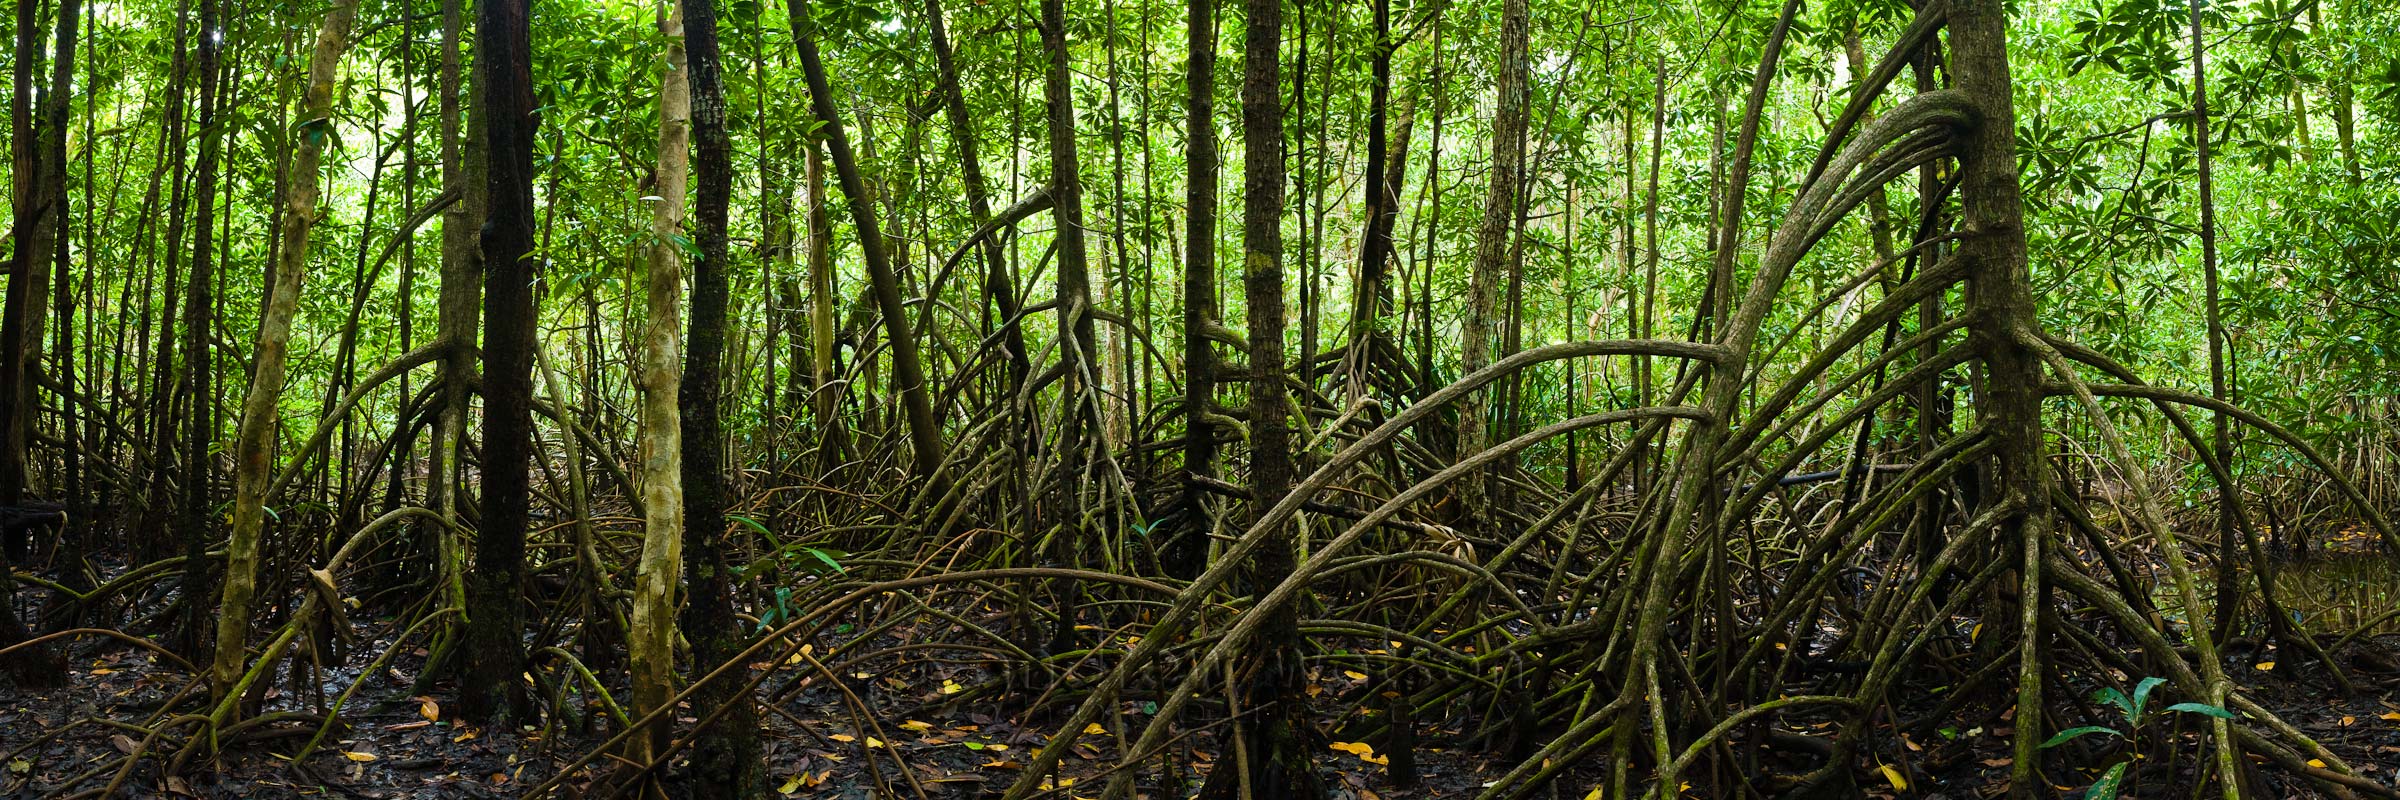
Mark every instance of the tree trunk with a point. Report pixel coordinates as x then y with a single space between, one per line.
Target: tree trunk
254 444
822 343
725 759
997 282
2000 298
1082 436
1189 552
457 307
652 632
1275 736
908 370
1075 327
1492 238
491 690
41 209
159 505
27 267
1372 298
195 518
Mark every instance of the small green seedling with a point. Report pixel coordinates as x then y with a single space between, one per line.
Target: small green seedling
2136 711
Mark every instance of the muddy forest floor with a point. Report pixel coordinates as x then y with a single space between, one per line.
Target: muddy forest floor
930 734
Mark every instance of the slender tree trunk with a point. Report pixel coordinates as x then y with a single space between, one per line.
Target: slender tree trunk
254 444
820 298
1492 237
725 759
457 307
997 282
2228 606
41 209
908 369
1075 326
1119 262
1083 437
1372 299
495 648
159 504
1189 555
195 518
660 371
1275 736
1430 210
1643 373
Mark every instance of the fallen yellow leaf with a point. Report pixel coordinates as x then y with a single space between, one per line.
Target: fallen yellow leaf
843 737
2264 666
1364 751
1893 776
789 786
1355 674
1094 729
2318 763
355 756
916 726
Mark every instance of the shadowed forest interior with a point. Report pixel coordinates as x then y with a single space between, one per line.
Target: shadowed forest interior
1121 399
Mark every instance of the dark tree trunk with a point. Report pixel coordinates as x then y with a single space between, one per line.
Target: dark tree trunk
41 209
997 281
193 519
1492 238
1277 731
1373 297
26 268
159 504
1082 436
456 308
490 690
725 758
908 368
1188 555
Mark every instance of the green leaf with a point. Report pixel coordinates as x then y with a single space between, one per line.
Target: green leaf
2203 709
2141 696
2111 696
825 557
756 526
2109 784
2071 734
